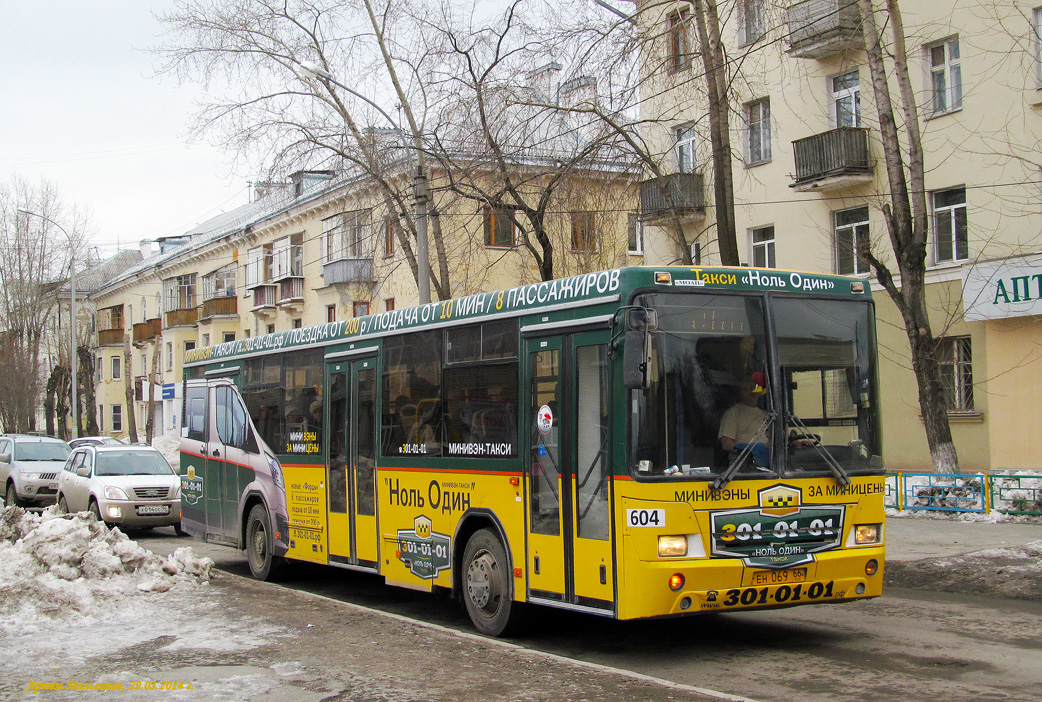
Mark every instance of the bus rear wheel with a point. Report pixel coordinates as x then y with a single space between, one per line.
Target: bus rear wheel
264 564
486 586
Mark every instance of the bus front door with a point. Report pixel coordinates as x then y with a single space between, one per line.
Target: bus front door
351 468
569 489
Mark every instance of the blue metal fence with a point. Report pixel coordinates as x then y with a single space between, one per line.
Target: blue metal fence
976 492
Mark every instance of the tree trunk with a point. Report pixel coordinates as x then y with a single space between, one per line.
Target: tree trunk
129 383
152 378
48 400
89 413
707 22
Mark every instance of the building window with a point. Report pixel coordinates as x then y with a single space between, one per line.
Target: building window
389 233
228 337
684 136
584 232
696 253
360 308
634 235
117 417
955 358
758 118
949 225
346 235
206 340
752 21
680 40
389 304
499 228
763 247
851 241
189 346
945 76
116 368
101 418
220 283
297 323
179 292
846 100
330 313
1036 24
169 355
270 329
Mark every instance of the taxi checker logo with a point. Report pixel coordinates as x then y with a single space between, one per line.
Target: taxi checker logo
780 501
422 525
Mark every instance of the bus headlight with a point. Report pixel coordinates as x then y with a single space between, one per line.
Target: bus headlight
866 534
276 473
672 546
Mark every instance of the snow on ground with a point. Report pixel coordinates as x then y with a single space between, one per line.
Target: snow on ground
170 447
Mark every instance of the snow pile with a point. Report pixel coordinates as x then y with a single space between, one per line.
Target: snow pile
71 567
170 447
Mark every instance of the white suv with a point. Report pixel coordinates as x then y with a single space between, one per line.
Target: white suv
29 468
132 486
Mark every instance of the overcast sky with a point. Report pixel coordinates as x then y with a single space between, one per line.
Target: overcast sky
81 110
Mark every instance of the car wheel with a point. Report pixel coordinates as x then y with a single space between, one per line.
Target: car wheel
264 564
63 506
179 531
12 497
486 584
95 510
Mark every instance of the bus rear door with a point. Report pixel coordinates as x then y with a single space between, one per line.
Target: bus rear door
569 490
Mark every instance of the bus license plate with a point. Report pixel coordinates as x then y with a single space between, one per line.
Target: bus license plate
778 577
153 509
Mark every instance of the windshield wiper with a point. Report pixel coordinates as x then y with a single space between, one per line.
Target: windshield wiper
739 460
837 470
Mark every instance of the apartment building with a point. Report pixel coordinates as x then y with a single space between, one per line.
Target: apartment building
323 246
809 177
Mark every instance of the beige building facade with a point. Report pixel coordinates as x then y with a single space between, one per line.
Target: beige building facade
810 181
321 248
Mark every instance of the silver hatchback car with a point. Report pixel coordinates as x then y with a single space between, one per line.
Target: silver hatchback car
132 486
29 468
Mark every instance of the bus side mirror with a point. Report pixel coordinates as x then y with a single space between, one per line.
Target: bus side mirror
641 319
635 361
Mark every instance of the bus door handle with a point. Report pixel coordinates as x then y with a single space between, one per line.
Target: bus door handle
216 453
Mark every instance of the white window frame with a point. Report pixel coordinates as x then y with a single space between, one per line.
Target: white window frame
679 37
853 231
116 417
684 148
949 214
945 77
170 355
116 366
852 93
753 21
758 131
634 235
764 247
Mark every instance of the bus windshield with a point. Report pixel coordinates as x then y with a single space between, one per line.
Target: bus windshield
724 397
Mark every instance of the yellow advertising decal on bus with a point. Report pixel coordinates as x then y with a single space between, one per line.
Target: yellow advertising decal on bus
306 502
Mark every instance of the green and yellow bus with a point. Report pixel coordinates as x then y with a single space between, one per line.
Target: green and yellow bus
575 443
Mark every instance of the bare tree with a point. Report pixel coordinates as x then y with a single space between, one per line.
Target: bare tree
36 261
128 382
906 216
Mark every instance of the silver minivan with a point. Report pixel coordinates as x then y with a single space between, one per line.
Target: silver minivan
132 486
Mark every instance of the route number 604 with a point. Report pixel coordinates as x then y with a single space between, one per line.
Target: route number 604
646 517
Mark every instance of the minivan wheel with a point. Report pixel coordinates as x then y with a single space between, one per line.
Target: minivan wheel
260 543
95 510
179 531
63 506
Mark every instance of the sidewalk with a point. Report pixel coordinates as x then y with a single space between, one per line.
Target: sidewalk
909 539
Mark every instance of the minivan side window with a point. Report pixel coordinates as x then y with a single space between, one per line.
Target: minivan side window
231 420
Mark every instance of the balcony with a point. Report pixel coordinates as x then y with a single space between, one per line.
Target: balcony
226 305
182 318
287 262
818 28
838 158
686 193
291 293
348 270
110 337
147 331
265 297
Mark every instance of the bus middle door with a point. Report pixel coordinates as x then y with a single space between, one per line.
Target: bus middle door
351 469
569 499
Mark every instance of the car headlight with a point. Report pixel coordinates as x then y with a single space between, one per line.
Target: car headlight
866 534
29 476
672 546
276 473
114 493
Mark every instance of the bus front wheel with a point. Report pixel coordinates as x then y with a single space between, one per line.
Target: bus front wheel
486 585
264 564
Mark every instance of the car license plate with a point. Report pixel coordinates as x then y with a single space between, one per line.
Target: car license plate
778 577
153 509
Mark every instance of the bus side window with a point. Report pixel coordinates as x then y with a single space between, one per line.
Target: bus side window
195 413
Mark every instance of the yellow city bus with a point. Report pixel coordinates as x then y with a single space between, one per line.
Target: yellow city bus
566 443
